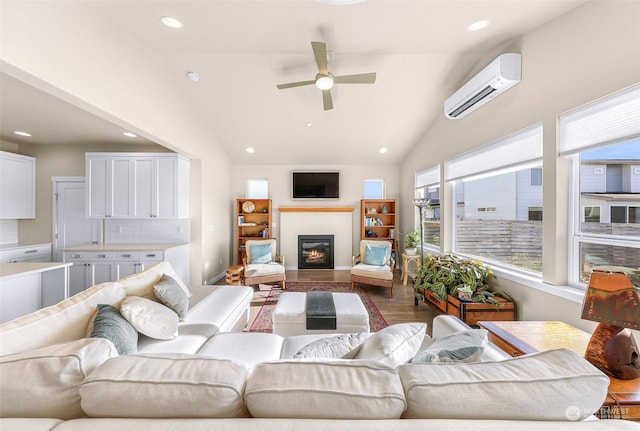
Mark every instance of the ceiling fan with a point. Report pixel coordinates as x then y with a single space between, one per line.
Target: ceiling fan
324 80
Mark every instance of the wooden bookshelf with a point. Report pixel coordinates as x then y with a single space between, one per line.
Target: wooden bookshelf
253 221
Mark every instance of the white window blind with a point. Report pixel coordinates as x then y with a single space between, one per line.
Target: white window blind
519 148
608 120
427 177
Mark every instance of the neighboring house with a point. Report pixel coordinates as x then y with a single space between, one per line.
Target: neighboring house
610 191
511 196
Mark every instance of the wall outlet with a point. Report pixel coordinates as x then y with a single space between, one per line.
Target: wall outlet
210 228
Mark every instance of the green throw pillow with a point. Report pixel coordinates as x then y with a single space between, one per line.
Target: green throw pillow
110 324
375 255
261 253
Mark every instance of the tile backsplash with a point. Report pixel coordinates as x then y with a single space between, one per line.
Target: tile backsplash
146 231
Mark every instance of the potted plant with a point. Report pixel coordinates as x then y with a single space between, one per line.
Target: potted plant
448 274
412 241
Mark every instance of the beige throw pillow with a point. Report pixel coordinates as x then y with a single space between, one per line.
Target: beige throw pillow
393 345
150 318
170 293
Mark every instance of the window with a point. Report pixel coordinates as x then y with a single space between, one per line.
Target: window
535 213
498 209
258 189
591 214
536 176
373 189
602 140
428 187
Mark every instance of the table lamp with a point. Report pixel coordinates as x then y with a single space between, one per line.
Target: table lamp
614 302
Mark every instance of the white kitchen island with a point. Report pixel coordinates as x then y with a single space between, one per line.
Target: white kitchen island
28 286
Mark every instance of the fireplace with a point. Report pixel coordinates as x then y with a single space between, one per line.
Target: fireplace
315 252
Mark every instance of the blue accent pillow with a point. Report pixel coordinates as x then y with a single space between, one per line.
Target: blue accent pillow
261 253
110 324
375 255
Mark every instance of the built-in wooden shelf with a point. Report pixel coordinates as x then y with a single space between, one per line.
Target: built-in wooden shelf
316 209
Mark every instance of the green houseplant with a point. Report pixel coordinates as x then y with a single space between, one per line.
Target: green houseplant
412 241
446 274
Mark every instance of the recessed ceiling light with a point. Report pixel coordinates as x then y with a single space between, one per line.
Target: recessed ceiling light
170 22
129 134
18 132
383 150
194 76
309 124
478 25
341 1
250 150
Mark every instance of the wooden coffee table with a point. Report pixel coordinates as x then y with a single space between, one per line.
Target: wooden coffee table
524 337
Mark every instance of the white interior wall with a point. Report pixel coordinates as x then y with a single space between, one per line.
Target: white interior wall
586 54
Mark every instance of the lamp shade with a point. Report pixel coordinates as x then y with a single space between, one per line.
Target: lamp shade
611 298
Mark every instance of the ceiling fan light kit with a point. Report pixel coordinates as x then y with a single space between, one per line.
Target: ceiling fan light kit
325 80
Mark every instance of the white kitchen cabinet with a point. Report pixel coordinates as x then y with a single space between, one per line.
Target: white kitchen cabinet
17 186
88 269
137 185
31 253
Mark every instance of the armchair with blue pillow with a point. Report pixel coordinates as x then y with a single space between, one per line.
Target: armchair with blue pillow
262 265
374 265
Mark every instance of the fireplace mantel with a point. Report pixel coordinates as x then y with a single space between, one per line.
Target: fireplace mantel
316 209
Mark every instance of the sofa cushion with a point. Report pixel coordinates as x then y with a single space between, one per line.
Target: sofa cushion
111 325
550 385
343 346
263 269
462 346
65 321
393 345
45 382
167 386
150 318
328 389
141 283
373 271
169 292
250 348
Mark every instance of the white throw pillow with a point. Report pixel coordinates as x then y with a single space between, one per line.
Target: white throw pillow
393 345
45 382
324 389
462 346
343 346
165 386
150 318
555 385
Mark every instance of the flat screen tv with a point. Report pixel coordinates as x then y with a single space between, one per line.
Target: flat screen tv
315 185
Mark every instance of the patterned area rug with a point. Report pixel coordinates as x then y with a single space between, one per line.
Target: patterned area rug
264 323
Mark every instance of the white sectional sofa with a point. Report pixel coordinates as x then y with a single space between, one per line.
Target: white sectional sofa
212 377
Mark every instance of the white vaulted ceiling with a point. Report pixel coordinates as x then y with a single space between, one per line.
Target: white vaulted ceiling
420 50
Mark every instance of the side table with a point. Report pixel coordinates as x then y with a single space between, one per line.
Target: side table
234 275
522 337
406 260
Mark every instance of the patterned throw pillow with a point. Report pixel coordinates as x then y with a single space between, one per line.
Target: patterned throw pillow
375 255
110 324
169 292
462 346
261 253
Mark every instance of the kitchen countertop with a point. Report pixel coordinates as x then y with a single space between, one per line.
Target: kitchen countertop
123 247
22 245
8 270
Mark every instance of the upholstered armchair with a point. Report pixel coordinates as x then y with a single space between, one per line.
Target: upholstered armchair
262 265
373 266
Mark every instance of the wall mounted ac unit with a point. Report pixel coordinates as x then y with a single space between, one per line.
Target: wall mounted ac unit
501 74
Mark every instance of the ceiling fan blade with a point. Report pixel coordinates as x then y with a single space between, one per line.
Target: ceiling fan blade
320 53
295 84
327 101
362 78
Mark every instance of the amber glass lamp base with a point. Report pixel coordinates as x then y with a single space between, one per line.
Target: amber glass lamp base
613 350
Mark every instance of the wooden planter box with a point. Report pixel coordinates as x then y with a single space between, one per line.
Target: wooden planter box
438 305
472 312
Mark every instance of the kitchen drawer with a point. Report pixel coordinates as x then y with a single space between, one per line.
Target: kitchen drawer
151 256
126 256
40 253
101 256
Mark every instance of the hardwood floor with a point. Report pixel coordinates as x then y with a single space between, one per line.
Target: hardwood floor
399 309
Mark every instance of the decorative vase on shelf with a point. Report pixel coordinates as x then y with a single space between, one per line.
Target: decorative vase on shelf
385 210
